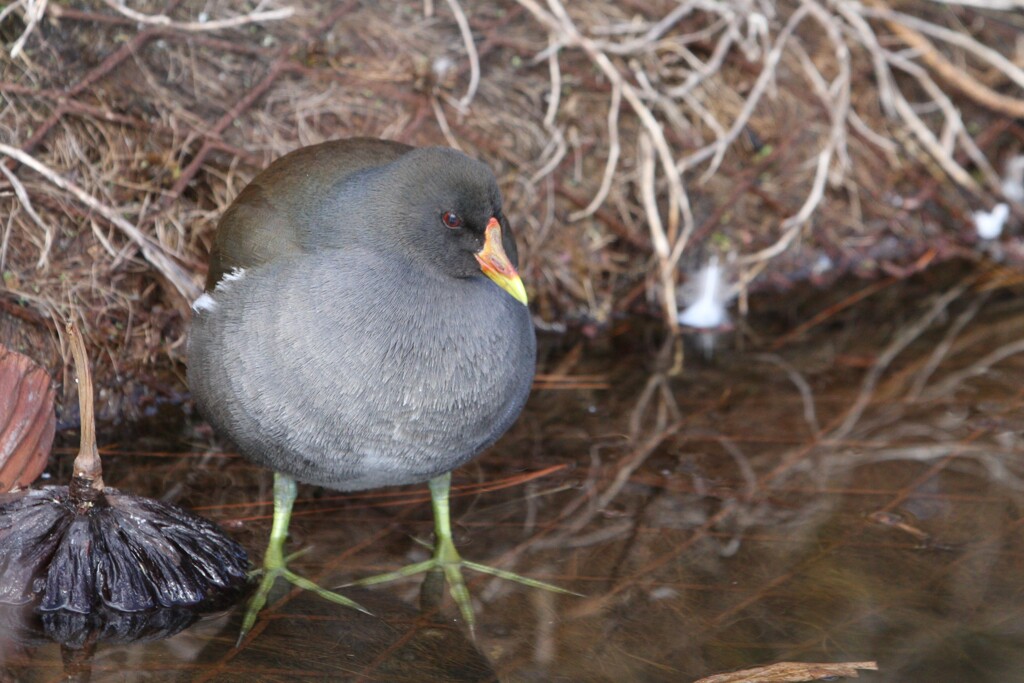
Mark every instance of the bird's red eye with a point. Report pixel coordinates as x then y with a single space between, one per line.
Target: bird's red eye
451 219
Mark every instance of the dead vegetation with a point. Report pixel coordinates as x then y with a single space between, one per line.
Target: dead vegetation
801 140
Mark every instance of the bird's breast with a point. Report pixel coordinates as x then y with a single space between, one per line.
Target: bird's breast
361 372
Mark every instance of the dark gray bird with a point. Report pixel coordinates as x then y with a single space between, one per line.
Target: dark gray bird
363 325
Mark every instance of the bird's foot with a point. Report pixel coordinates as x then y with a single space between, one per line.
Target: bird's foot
275 563
277 568
446 559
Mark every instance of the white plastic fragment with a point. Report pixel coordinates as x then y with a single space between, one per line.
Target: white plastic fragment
708 298
989 224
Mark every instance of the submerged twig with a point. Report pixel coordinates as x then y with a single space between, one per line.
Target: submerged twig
950 382
902 340
802 385
941 349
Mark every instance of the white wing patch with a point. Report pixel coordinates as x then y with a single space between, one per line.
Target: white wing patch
234 276
206 302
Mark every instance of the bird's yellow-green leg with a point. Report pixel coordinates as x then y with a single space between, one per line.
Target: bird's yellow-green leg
275 564
446 558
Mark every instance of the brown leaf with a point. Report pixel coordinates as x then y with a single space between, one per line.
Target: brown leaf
791 672
27 419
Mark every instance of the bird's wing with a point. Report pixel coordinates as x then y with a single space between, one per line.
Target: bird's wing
264 221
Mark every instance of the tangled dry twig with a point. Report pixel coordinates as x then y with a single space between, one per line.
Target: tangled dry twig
631 144
661 108
153 251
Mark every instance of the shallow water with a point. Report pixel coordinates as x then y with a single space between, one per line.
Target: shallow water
852 493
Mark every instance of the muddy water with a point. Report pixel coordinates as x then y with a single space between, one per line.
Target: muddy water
851 492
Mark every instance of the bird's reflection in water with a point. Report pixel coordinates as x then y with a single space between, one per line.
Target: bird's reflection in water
303 637
310 638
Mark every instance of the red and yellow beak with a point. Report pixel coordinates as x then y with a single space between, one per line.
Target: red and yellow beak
495 264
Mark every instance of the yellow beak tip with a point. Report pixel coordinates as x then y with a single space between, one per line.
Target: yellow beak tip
511 284
518 291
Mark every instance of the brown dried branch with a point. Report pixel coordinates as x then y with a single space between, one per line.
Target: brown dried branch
904 27
474 59
87 471
196 26
792 672
33 11
153 252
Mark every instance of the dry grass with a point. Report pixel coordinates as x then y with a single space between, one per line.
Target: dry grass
631 140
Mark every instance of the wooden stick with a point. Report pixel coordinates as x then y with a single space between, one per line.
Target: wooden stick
87 469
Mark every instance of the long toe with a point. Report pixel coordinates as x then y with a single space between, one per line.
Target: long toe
447 561
257 602
269 577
